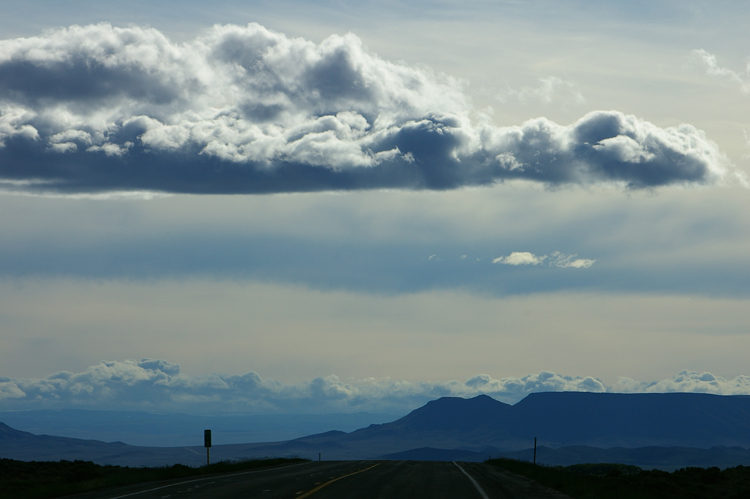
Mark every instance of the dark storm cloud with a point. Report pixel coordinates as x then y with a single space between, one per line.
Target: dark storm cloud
246 110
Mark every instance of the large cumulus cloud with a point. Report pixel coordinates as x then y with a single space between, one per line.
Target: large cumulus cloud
159 385
246 110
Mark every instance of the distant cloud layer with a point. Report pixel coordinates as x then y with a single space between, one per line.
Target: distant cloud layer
550 89
246 110
159 385
712 68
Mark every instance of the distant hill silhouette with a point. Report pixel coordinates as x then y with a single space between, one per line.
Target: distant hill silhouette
453 414
574 426
25 446
174 429
565 418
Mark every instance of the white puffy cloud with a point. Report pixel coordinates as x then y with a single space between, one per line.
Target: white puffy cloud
9 389
159 385
12 124
247 110
555 259
520 258
561 260
516 388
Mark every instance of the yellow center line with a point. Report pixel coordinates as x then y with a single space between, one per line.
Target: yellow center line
329 482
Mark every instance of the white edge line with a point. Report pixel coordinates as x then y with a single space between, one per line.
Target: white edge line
484 496
207 478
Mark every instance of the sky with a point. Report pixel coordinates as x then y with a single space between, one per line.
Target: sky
334 206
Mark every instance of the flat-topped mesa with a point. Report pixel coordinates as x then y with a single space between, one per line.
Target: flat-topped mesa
634 419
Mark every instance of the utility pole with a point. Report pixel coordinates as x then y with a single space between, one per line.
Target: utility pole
207 445
534 451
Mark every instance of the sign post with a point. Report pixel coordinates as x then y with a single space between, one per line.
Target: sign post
207 445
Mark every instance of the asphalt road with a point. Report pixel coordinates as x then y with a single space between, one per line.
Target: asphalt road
347 479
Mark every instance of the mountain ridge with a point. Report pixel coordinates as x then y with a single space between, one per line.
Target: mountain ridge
475 425
568 418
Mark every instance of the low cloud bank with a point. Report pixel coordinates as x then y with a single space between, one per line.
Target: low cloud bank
687 381
99 109
158 385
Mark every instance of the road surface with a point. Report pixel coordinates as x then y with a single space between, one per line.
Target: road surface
347 479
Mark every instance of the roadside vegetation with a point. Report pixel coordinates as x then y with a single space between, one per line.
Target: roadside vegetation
42 480
619 481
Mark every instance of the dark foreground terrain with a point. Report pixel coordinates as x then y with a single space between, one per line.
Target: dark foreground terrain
501 478
47 479
617 481
347 479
